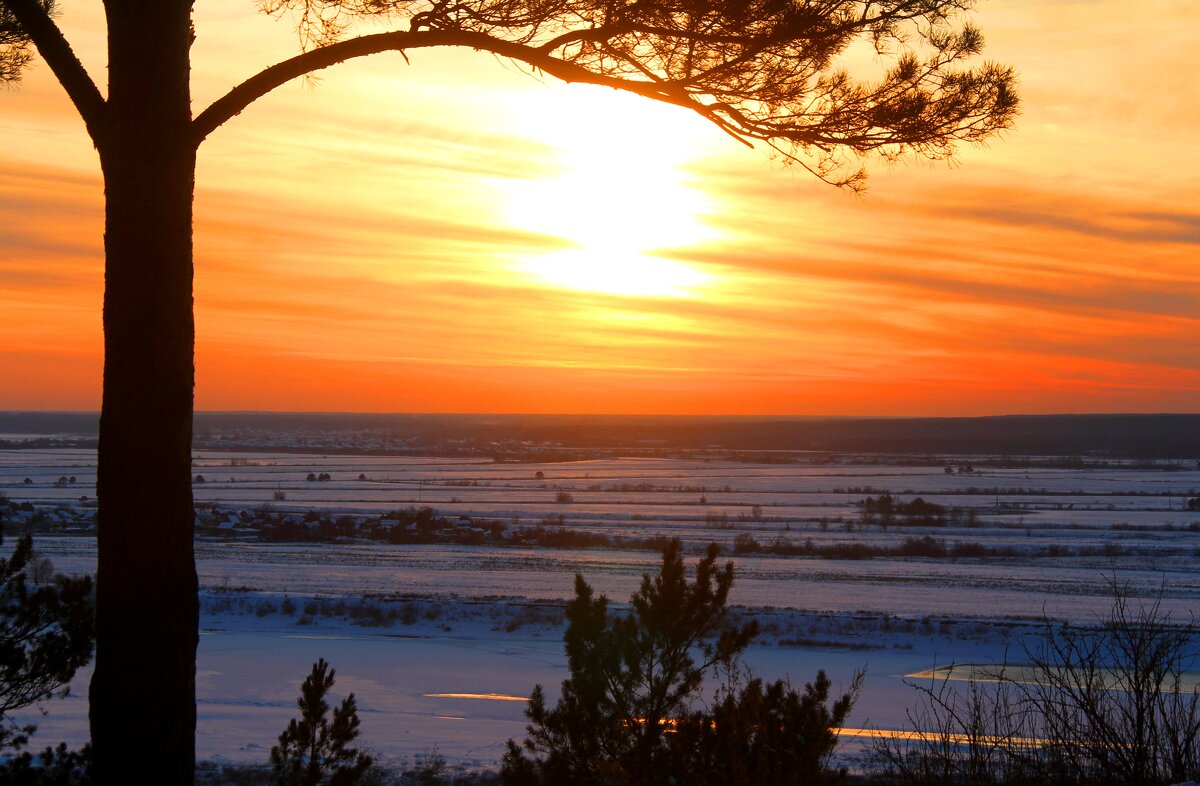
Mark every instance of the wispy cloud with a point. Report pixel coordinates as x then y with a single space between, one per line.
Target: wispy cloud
356 246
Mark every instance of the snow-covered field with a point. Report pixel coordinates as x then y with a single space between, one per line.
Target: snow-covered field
457 683
420 620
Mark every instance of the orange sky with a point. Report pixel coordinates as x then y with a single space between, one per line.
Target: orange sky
454 235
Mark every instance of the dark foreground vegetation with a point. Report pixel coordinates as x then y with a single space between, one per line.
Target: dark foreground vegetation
46 634
657 694
632 710
1104 706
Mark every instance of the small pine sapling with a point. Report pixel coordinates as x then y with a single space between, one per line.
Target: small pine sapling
315 750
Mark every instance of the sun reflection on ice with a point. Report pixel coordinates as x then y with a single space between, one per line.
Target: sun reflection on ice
479 696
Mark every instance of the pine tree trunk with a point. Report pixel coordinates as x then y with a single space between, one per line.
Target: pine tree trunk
143 708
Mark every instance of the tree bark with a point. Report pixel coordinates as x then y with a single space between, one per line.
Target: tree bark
143 707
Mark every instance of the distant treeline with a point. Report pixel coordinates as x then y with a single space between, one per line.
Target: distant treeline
425 526
929 547
1116 436
49 443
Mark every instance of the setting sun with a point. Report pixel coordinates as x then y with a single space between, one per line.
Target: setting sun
621 192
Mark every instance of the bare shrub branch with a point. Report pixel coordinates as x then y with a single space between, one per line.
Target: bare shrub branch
1114 703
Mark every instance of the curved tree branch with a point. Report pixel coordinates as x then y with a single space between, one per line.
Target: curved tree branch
237 99
35 21
762 71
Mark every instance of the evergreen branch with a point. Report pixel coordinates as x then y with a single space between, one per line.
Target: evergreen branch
237 99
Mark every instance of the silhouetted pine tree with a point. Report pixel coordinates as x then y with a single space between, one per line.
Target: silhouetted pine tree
315 750
46 633
630 714
766 735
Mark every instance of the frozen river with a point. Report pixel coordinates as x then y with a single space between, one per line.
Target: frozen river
248 678
1069 534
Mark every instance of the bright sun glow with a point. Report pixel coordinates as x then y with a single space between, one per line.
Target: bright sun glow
622 195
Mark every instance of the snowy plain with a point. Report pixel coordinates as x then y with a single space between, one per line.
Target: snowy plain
484 622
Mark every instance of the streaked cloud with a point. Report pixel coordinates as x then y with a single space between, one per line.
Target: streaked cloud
387 239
